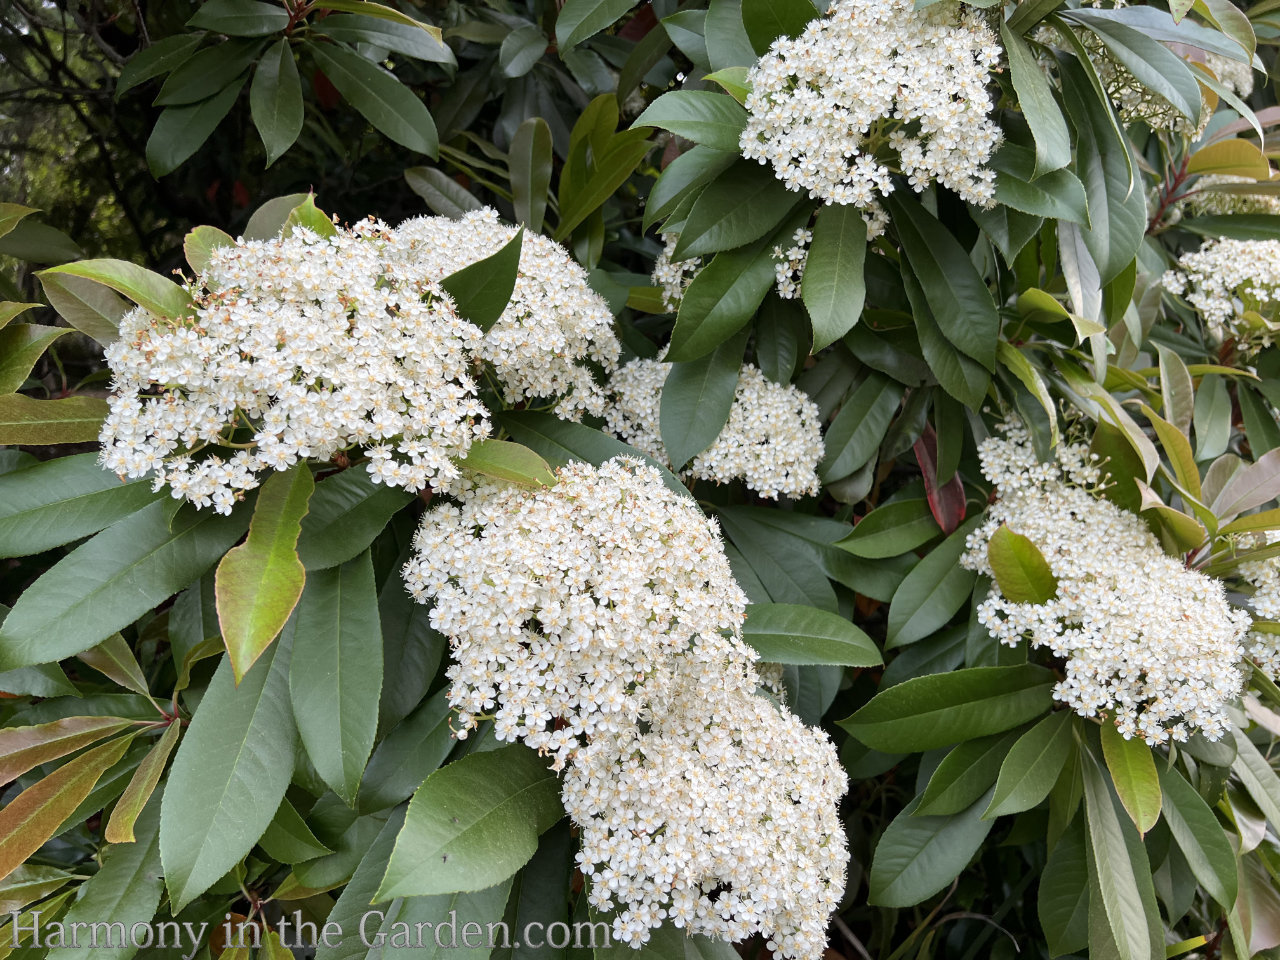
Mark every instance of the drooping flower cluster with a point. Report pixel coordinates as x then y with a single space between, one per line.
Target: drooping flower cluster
297 348
306 347
1203 201
789 263
598 621
870 79
555 324
1235 287
1143 637
772 441
722 816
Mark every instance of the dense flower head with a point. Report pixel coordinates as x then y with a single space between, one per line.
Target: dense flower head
566 606
673 277
1135 102
555 324
1264 577
720 817
297 348
789 263
1203 201
1144 638
873 79
1235 287
772 441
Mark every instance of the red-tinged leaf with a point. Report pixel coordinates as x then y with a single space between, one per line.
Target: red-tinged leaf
24 748
140 788
34 815
946 502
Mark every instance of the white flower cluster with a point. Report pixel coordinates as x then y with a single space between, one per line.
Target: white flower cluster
1264 576
720 818
1235 287
598 620
772 441
555 324
789 262
305 347
1143 637
871 78
1234 74
1137 103
1204 202
673 276
298 348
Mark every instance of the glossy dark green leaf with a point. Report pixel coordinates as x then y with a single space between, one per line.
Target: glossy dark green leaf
580 19
892 529
933 711
392 108
1032 766
473 823
965 774
1063 900
207 72
229 775
1199 836
834 288
1035 96
444 195
932 592
681 179
529 161
855 434
1056 194
956 294
357 895
275 100
696 398
767 20
412 751
739 206
347 511
149 290
791 633
57 501
336 673
181 131
110 581
289 839
410 40
714 120
164 55
21 345
240 18
482 290
919 855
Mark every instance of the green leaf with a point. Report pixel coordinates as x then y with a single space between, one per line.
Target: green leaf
932 711
611 168
956 294
854 435
682 177
25 748
473 823
25 420
919 855
444 195
1104 165
114 659
1199 836
767 20
412 751
1013 360
148 290
357 895
1035 96
834 288
57 501
307 216
347 511
1253 485
199 244
932 592
580 19
21 345
12 214
892 530
35 815
965 774
9 309
529 161
267 222
1257 775
125 891
162 56
1057 194
39 243
696 399
275 100
561 442
136 796
791 633
407 36
522 48
28 883
1032 766
1064 894
240 18
229 776
181 131
739 206
961 376
336 674
382 12
482 290
711 119
384 101
1020 568
733 80
1118 875
259 582
289 839
110 581
508 461
1212 418
213 69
